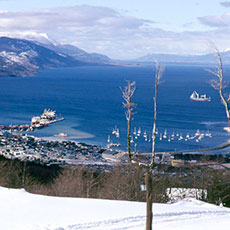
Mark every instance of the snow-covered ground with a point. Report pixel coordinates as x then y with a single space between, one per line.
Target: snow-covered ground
20 210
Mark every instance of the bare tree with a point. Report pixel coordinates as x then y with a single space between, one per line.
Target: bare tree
219 84
148 175
127 94
158 74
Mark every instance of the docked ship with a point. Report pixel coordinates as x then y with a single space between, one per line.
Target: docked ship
47 117
196 97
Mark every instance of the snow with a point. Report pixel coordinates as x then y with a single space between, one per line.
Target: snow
21 58
24 211
30 35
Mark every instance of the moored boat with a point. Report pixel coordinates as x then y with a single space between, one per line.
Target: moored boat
196 97
61 135
47 117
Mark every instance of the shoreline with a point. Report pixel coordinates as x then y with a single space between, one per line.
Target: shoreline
63 152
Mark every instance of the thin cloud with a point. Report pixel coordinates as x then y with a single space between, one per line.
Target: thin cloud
114 33
225 4
216 20
69 17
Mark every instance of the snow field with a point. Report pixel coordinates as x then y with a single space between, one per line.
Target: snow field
21 210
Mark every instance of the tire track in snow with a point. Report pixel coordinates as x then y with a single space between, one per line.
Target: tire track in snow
131 223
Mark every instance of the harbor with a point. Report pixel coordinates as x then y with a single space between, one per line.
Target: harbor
46 118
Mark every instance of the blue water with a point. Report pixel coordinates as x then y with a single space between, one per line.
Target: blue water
90 100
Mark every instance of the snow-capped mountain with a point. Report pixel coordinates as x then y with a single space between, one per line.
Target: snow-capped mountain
19 57
31 36
44 40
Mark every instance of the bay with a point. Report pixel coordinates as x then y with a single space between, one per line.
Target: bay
90 100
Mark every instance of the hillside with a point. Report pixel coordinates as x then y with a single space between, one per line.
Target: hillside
21 58
24 211
79 54
66 49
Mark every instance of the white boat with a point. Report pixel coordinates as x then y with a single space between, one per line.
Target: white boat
49 114
180 137
117 133
47 117
165 134
196 97
135 131
208 134
131 139
160 138
61 135
172 136
114 130
197 132
139 132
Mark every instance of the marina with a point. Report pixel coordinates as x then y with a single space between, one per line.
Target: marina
161 136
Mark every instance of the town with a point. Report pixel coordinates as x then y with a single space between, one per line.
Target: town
47 152
33 149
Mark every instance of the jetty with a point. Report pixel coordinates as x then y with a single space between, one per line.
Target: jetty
46 118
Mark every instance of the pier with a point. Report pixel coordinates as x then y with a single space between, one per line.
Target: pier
47 117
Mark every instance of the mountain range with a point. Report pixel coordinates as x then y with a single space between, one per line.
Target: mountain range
21 57
26 54
24 58
191 59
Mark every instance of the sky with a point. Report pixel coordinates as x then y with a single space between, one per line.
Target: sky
123 29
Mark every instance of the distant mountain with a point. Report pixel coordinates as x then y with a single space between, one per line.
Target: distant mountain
80 54
70 50
19 57
172 58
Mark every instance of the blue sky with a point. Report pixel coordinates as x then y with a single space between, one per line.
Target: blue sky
123 28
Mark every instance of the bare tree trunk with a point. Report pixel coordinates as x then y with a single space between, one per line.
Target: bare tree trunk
149 200
158 75
154 123
128 130
220 84
148 176
24 175
226 105
227 114
127 94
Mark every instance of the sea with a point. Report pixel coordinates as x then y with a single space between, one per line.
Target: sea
90 100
